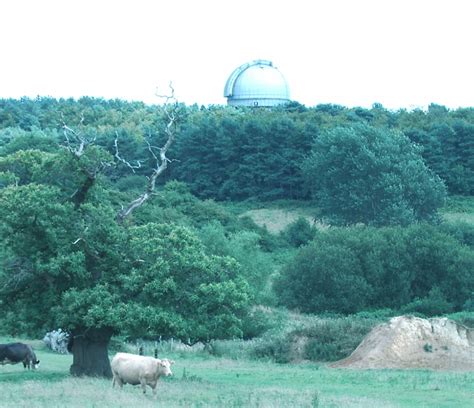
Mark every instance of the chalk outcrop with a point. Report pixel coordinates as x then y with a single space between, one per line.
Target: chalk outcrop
412 342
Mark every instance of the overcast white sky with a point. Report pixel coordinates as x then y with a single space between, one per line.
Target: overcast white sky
401 53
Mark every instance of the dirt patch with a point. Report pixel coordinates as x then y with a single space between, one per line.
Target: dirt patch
412 342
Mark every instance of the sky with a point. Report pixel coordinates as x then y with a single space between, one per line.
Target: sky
404 54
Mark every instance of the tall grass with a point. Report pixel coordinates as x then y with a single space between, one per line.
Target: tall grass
206 381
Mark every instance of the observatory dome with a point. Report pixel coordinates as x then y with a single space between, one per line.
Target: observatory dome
256 83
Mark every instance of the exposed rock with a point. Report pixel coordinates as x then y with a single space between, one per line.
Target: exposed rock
412 342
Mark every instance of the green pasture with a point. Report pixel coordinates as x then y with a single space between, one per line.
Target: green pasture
459 217
201 380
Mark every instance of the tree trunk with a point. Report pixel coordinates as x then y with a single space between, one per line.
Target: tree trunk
90 356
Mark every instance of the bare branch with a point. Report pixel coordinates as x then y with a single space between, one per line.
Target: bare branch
150 149
117 155
161 161
75 140
167 97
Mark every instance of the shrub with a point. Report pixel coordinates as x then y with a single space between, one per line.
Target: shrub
318 340
347 270
275 347
334 339
434 304
324 276
469 304
462 231
244 246
256 323
465 318
299 232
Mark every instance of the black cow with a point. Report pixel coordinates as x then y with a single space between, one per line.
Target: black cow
14 353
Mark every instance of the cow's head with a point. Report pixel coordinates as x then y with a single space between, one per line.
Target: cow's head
165 367
35 364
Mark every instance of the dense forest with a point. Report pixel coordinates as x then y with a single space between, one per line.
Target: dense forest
185 264
232 154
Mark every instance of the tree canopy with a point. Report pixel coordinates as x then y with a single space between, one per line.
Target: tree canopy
228 153
69 261
362 174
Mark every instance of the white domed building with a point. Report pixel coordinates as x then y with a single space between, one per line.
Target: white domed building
257 83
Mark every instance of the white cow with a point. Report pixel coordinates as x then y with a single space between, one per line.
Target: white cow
143 370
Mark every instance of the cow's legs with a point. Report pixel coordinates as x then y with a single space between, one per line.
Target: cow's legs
153 387
117 380
143 384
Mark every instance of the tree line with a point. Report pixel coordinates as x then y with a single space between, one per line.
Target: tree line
233 154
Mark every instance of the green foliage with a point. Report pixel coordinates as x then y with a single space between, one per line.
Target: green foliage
15 139
318 339
428 348
90 270
178 289
363 174
460 204
451 150
8 178
228 153
348 270
256 323
434 304
26 165
324 277
68 262
299 232
231 155
465 317
334 339
293 337
175 203
243 246
462 231
131 183
469 304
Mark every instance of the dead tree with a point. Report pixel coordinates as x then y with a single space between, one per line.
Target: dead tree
170 110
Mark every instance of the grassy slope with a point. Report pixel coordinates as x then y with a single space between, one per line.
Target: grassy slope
203 381
459 209
278 214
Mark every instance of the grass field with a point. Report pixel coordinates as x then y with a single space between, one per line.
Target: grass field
276 216
203 381
459 217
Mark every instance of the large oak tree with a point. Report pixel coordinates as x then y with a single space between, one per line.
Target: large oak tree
71 258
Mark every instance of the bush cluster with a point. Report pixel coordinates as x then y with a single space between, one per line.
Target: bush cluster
420 268
322 339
